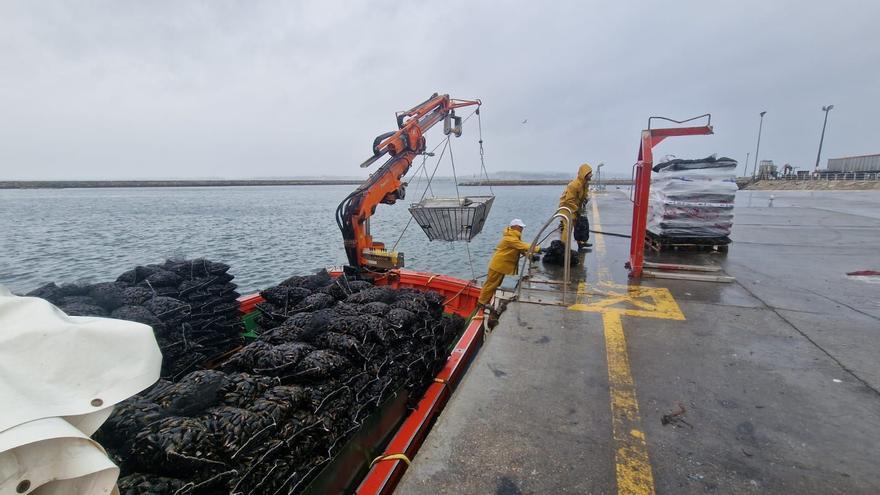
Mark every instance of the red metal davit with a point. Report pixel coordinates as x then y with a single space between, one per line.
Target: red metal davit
642 187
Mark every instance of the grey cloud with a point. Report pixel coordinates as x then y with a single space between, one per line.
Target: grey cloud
244 89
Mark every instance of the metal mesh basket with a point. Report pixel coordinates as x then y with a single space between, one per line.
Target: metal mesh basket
452 219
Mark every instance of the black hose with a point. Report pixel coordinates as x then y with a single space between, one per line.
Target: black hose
611 234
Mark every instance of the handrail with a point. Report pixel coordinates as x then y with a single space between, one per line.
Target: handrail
632 190
567 270
709 123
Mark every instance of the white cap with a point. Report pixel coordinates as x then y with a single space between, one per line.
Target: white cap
516 222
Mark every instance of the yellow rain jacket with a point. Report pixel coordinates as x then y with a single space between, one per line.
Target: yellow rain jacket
576 191
508 250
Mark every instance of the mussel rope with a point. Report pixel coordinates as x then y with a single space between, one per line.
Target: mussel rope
391 457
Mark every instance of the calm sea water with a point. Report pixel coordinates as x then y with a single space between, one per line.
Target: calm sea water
265 233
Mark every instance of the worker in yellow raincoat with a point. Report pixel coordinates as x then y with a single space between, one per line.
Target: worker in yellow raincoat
573 198
505 260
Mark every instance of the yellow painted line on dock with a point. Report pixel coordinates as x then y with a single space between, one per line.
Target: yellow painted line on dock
604 273
632 465
633 469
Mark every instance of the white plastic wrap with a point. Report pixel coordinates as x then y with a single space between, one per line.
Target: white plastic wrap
693 198
59 378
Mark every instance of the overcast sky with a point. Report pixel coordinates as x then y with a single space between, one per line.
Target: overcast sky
112 90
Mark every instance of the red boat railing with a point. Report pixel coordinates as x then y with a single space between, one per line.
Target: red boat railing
461 299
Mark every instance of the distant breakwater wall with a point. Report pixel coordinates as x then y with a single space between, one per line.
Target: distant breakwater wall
538 182
814 185
86 184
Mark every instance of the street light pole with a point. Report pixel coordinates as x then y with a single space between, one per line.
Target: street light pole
746 171
825 109
599 186
758 147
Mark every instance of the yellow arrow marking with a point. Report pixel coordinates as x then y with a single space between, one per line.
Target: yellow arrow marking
653 302
613 301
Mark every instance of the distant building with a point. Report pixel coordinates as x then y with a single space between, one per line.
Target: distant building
863 163
767 169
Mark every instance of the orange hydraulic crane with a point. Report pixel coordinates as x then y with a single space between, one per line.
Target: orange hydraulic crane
385 186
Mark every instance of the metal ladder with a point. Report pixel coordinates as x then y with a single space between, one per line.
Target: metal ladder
566 217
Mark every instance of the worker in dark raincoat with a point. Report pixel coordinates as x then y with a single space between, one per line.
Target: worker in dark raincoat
505 260
573 198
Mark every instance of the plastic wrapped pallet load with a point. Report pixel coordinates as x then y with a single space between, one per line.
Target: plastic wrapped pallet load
693 198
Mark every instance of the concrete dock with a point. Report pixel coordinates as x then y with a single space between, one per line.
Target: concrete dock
768 384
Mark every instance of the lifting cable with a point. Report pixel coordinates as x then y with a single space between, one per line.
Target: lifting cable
467 244
485 174
423 167
425 156
448 145
482 161
452 161
425 192
415 173
434 172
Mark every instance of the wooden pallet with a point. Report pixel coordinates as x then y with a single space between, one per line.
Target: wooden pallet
695 244
696 277
677 271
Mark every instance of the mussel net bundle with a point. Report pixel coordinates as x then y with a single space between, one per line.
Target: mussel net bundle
555 254
278 410
191 306
582 229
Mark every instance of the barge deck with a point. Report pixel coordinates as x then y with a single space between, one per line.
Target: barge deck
768 384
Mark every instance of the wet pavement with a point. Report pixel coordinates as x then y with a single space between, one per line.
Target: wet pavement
776 373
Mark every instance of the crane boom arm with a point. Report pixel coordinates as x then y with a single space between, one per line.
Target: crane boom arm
385 186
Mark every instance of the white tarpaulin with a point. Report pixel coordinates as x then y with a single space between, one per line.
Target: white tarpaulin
59 378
